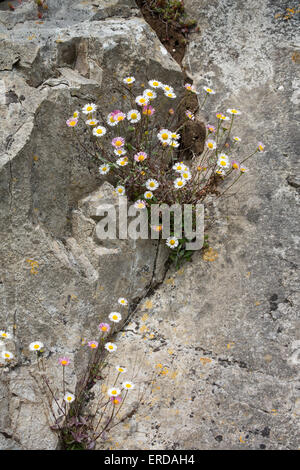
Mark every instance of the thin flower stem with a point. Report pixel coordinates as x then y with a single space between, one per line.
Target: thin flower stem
231 185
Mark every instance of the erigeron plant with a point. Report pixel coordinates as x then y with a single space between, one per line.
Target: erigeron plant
141 147
77 428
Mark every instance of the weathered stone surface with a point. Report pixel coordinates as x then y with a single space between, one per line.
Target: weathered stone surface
58 281
222 334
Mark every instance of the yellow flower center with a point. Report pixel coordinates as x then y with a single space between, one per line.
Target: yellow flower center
4 335
235 165
93 345
72 123
89 108
172 242
234 111
114 392
133 116
99 131
210 145
36 346
180 183
155 83
164 136
115 317
104 328
7 355
152 184
128 385
223 163
110 347
208 90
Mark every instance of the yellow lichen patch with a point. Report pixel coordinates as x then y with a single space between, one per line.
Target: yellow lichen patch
144 317
210 254
30 38
170 351
229 345
205 360
148 305
159 366
165 371
34 266
180 271
152 336
143 329
257 303
173 374
170 281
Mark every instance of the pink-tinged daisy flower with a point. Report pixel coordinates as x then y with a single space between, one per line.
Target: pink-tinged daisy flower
172 242
64 361
211 128
139 204
148 110
104 169
140 157
69 397
91 122
113 391
209 90
142 100
148 195
93 344
179 183
7 355
129 80
233 111
243 169
89 108
190 87
116 400
122 161
236 139
152 184
104 327
72 122
119 117
235 165
150 94
111 121
128 385
190 115
111 347
157 228
211 144
115 317
123 301
120 190
118 142
171 111
99 131
260 147
133 116
155 84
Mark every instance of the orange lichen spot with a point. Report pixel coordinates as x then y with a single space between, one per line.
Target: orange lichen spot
170 281
210 254
205 360
144 317
143 329
159 366
148 304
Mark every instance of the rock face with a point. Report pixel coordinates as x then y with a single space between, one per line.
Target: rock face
219 335
58 281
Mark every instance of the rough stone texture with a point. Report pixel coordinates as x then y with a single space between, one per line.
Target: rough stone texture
58 281
222 334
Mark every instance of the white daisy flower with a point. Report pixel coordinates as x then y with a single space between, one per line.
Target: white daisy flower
121 369
7 355
209 90
237 139
174 144
175 136
142 100
4 335
104 169
120 190
129 80
223 162
167 88
186 175
128 385
115 317
172 242
243 169
111 121
220 172
92 122
233 111
123 301
111 347
179 167
170 94
133 116
179 183
122 161
152 184
76 114
211 144
164 136
36 346
120 151
155 84
69 397
99 131
113 391
89 108
151 95
148 195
